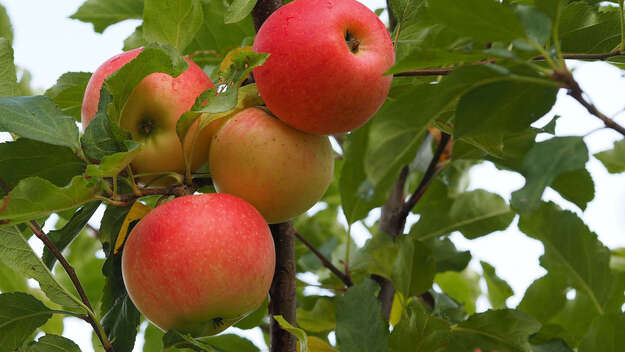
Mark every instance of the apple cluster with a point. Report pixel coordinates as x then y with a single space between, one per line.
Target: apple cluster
199 263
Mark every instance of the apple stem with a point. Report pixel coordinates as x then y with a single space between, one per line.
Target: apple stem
282 291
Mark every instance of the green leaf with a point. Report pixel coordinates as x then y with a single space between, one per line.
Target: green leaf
571 250
63 237
376 256
100 138
520 104
576 318
38 118
397 129
464 287
17 254
26 158
20 316
135 40
605 334
446 255
230 342
322 317
358 194
215 38
498 289
614 159
6 30
154 58
583 29
113 164
153 339
577 186
545 297
11 281
302 338
542 164
537 24
480 19
121 322
68 92
404 10
414 268
238 10
501 330
103 13
475 213
359 323
447 308
255 318
173 22
8 79
53 343
35 197
418 331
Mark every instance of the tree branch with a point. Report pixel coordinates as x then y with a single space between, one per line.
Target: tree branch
430 172
282 291
325 261
447 70
577 93
74 278
263 9
394 214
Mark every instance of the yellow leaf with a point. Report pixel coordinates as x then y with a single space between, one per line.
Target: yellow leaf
397 308
316 344
137 211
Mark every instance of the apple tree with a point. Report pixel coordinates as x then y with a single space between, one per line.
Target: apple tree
470 79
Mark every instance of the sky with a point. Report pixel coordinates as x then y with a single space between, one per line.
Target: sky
47 43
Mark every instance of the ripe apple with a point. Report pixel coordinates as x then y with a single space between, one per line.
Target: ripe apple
199 263
151 112
278 169
325 74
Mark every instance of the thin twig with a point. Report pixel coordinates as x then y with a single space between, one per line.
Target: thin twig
430 172
74 278
325 261
447 70
577 93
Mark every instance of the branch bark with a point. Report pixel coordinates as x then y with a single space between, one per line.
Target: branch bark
577 93
447 70
74 278
394 214
325 261
282 291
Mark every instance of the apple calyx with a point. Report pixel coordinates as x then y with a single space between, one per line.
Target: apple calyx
146 126
352 42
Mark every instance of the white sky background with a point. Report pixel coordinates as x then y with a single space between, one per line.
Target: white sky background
47 43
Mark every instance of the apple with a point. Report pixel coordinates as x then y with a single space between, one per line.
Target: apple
325 74
199 263
151 112
278 169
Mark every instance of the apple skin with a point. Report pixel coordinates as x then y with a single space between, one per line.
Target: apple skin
151 112
199 263
278 169
312 81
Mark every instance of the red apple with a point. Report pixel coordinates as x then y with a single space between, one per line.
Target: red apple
151 112
278 169
199 263
325 74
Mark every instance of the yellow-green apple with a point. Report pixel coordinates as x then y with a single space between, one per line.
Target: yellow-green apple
278 169
199 263
151 112
325 74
